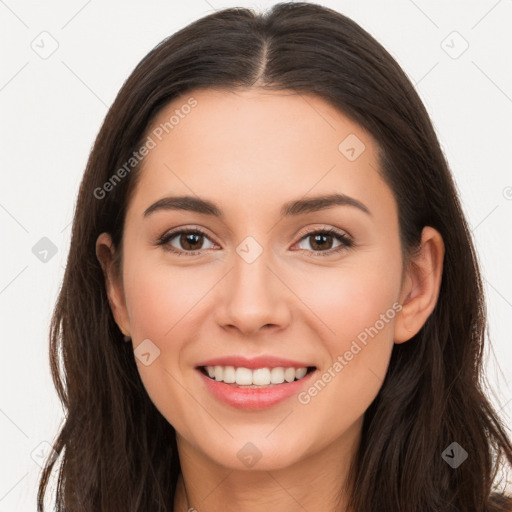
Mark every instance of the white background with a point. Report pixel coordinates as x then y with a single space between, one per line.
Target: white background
52 109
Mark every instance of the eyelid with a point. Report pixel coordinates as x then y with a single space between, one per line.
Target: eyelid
324 229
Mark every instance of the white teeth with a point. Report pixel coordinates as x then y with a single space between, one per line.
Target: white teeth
229 374
258 377
261 377
289 374
300 372
243 376
277 375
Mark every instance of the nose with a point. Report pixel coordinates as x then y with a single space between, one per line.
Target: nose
253 298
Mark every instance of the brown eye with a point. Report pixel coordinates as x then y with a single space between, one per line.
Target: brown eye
322 241
191 241
185 241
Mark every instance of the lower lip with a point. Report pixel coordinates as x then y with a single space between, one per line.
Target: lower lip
254 398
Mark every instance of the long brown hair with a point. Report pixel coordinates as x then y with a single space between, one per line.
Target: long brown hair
118 453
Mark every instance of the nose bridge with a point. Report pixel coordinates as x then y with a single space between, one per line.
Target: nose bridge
253 296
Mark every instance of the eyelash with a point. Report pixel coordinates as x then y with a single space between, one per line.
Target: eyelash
346 241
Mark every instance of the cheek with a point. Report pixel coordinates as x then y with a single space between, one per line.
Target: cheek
160 303
160 297
356 308
349 300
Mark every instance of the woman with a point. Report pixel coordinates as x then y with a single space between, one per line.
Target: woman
272 298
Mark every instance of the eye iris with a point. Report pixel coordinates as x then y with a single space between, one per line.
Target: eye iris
317 239
190 239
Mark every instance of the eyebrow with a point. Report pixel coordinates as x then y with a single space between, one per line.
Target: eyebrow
291 208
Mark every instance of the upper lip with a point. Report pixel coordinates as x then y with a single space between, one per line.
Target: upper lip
255 362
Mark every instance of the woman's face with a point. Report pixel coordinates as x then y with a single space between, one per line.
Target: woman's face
264 279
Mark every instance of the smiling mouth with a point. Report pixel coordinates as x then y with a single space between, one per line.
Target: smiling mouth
257 378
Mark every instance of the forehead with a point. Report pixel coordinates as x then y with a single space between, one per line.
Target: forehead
256 148
251 123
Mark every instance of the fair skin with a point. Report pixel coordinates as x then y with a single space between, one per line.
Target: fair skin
249 152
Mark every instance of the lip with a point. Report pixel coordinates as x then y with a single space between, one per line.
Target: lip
251 399
255 362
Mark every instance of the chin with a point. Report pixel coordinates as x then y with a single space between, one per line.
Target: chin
258 453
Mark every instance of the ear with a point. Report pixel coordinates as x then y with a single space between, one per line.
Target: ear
420 285
105 253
